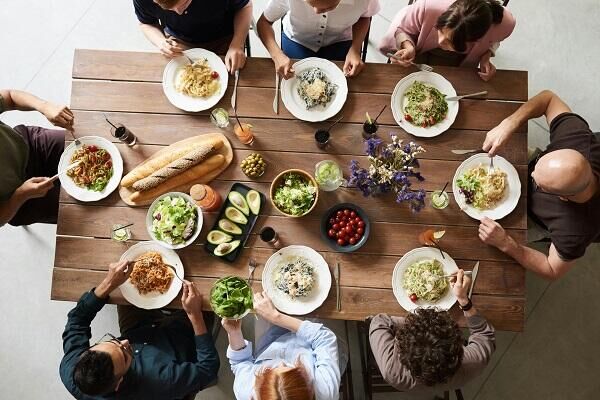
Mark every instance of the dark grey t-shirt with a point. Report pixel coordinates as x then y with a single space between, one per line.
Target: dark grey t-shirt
14 154
572 226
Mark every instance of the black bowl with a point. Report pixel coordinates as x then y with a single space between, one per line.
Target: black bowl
333 243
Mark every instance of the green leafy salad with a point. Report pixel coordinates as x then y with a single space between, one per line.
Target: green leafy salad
425 105
424 280
174 220
231 297
296 196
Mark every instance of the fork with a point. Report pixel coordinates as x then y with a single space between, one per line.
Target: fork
77 141
491 164
251 268
174 271
422 67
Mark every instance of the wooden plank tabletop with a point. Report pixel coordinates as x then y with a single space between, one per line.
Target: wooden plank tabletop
127 87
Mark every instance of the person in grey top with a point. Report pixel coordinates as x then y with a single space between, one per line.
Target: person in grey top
426 350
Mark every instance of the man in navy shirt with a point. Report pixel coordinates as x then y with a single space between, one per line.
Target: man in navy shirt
156 357
176 25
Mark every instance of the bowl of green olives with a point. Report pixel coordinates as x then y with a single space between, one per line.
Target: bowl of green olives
253 166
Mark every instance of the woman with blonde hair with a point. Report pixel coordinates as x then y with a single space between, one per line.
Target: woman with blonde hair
294 359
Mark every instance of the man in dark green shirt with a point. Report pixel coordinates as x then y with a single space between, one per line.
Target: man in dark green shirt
29 156
171 358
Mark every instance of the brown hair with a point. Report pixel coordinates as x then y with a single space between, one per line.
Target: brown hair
293 384
431 345
469 20
166 4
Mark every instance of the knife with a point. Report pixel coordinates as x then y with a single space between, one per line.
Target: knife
456 98
234 95
473 278
460 152
276 99
336 276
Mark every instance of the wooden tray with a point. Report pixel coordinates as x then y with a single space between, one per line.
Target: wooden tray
226 151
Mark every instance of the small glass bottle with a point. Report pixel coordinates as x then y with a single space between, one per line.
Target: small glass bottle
206 197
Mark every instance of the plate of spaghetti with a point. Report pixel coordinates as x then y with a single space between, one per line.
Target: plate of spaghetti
98 173
151 284
197 86
481 191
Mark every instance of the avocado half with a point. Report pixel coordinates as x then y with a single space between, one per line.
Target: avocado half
239 202
236 215
225 248
227 226
253 200
218 237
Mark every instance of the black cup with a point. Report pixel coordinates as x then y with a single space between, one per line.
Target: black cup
322 138
123 134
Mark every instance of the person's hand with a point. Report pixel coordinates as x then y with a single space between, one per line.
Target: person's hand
283 66
191 299
232 325
117 274
497 137
406 54
353 64
170 47
492 233
235 59
58 115
34 188
460 287
486 69
264 307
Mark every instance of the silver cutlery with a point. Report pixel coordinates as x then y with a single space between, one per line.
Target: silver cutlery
456 98
64 171
422 67
467 151
77 141
276 99
234 95
473 278
251 268
468 273
336 276
174 271
491 170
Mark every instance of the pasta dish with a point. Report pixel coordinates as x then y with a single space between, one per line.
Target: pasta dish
198 80
424 105
424 279
150 274
95 169
483 188
315 88
295 277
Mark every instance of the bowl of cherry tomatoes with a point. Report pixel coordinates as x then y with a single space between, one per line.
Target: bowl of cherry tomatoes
345 227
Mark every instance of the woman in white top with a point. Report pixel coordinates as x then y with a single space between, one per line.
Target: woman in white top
330 29
294 359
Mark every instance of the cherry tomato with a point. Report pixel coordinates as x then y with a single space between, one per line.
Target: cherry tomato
346 212
349 229
431 121
341 242
109 164
408 117
331 233
413 297
336 227
352 240
353 214
357 236
361 224
424 125
331 221
339 213
360 231
342 224
214 75
93 148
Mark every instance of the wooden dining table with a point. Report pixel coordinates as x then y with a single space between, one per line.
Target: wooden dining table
127 87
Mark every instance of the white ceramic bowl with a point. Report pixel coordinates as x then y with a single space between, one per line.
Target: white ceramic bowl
197 228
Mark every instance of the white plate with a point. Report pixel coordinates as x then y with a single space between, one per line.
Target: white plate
413 256
300 305
152 300
504 206
83 194
295 105
189 103
432 79
197 229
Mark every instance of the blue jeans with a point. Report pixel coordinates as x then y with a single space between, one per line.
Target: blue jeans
335 52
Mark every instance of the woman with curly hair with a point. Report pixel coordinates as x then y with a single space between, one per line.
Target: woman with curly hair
449 32
426 349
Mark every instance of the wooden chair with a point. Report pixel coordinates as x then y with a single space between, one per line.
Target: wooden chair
346 385
373 381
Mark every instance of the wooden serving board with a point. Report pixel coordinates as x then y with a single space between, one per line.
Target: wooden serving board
226 151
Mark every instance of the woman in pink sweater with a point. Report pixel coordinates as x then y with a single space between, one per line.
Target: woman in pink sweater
468 32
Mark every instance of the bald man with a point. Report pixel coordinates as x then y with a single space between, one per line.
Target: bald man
563 191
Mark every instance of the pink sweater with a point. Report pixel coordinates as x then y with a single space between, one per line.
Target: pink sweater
417 24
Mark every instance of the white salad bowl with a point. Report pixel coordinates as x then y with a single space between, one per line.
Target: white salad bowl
197 228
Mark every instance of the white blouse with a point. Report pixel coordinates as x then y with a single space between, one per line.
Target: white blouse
312 30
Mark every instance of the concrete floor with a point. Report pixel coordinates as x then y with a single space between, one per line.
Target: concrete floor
555 358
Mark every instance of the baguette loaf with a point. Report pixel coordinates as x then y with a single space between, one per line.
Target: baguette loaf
159 162
174 168
187 177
